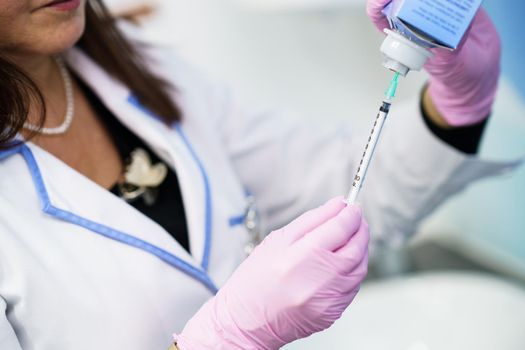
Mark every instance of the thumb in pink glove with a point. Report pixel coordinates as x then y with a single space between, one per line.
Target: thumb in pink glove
464 82
298 281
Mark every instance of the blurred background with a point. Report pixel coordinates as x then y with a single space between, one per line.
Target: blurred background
321 59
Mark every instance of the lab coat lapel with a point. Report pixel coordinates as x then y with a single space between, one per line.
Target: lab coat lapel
68 196
171 145
70 192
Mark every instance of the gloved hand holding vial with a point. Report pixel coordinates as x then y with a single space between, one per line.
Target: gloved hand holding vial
458 46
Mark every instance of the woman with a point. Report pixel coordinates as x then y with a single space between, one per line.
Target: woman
123 181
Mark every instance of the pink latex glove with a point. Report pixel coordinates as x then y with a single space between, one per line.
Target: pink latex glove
463 83
298 281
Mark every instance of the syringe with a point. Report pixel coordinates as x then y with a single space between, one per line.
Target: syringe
373 140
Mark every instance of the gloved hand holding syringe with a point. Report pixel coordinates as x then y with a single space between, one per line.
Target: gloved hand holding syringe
373 140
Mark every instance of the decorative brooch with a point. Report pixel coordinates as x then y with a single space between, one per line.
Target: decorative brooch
141 178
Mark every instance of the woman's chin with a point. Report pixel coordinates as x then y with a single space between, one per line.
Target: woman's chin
60 41
57 32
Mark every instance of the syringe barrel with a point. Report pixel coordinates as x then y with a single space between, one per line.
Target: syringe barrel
368 153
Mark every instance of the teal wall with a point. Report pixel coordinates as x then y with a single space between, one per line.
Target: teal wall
508 16
492 212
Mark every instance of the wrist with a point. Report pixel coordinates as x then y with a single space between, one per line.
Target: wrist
431 112
465 139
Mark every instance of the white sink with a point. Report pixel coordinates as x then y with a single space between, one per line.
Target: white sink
438 311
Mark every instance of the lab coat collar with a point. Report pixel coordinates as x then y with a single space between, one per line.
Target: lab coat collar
171 145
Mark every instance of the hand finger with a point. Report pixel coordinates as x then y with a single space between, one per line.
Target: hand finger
356 276
484 33
374 10
479 31
481 21
312 219
336 232
357 246
349 279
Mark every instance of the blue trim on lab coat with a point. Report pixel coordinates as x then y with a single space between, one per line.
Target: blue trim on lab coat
207 190
10 151
236 220
207 200
100 229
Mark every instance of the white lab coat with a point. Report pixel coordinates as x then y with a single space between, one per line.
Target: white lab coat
81 269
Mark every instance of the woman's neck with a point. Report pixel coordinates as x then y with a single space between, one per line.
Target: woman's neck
44 72
40 68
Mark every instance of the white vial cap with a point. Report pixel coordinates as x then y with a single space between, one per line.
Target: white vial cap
403 55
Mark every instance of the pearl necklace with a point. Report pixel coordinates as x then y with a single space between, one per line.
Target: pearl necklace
70 103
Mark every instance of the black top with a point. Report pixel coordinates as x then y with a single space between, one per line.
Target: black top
168 208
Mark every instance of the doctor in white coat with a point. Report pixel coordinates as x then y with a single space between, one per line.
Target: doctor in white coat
128 186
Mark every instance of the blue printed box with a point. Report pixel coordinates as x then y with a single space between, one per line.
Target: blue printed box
442 22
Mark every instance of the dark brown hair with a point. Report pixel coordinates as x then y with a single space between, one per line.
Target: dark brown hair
107 46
